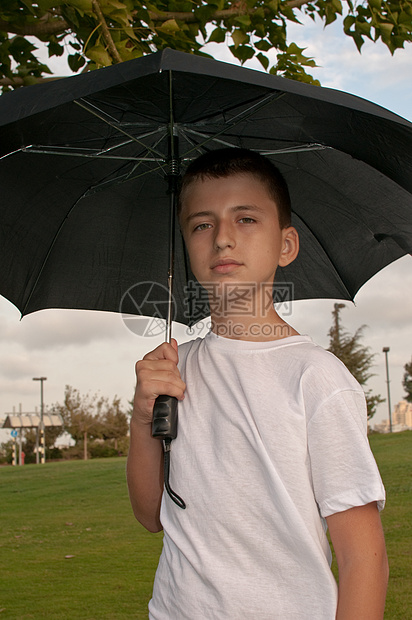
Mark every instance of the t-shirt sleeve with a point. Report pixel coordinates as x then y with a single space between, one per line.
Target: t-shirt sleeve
344 470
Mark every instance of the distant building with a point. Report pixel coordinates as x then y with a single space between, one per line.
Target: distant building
403 414
401 419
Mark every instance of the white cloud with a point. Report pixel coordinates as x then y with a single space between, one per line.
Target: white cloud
14 366
55 329
374 74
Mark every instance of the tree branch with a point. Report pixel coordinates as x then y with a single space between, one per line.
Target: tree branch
189 17
19 81
106 33
57 25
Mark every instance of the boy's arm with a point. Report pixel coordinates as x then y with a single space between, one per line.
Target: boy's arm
156 374
359 544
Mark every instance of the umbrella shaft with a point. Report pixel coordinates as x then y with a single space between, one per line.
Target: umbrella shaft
173 176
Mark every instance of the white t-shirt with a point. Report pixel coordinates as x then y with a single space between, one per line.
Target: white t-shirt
271 440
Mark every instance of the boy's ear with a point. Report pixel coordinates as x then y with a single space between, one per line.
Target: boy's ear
290 248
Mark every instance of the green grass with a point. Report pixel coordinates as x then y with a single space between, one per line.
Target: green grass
78 509
81 509
394 456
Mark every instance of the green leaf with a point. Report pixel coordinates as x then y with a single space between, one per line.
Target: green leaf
99 55
116 4
405 18
242 53
330 15
243 20
386 31
170 26
121 17
358 40
85 6
239 38
337 5
363 28
262 45
273 5
76 62
55 49
375 4
204 13
288 12
218 35
46 5
348 23
264 61
260 13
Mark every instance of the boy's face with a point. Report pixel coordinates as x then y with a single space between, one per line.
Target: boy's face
232 232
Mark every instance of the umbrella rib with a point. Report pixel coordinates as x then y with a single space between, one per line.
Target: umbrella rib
203 135
100 115
89 153
242 116
65 152
310 146
292 149
127 176
48 254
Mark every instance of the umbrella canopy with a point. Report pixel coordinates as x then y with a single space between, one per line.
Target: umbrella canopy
84 163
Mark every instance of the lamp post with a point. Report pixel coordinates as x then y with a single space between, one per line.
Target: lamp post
42 429
386 351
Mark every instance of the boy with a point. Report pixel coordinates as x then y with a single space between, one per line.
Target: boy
272 431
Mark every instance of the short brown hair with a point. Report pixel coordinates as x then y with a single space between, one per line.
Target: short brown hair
229 161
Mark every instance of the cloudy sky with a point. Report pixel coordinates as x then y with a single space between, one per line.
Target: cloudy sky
96 352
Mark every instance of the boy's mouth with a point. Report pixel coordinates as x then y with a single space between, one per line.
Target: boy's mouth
225 265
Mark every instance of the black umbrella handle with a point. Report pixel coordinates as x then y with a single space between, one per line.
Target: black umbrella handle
164 424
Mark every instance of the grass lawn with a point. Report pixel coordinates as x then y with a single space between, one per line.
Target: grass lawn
70 546
394 456
72 550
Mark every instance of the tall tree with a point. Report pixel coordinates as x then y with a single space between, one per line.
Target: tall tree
407 381
356 357
112 419
99 33
79 415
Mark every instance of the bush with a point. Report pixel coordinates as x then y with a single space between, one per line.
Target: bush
6 453
102 450
54 454
74 452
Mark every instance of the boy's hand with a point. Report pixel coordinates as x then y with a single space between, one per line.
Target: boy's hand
157 374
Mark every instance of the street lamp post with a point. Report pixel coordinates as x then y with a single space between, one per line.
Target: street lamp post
386 351
42 429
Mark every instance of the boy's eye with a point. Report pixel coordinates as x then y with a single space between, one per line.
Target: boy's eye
203 226
247 220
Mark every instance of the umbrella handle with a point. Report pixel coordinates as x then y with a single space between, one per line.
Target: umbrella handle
164 424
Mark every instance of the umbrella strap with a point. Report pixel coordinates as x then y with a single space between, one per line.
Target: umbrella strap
173 496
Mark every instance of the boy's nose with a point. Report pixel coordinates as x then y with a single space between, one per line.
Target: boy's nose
224 237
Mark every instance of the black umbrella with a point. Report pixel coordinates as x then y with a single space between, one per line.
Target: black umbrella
84 202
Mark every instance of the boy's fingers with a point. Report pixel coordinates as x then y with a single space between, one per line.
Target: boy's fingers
166 350
149 374
157 374
150 367
159 388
